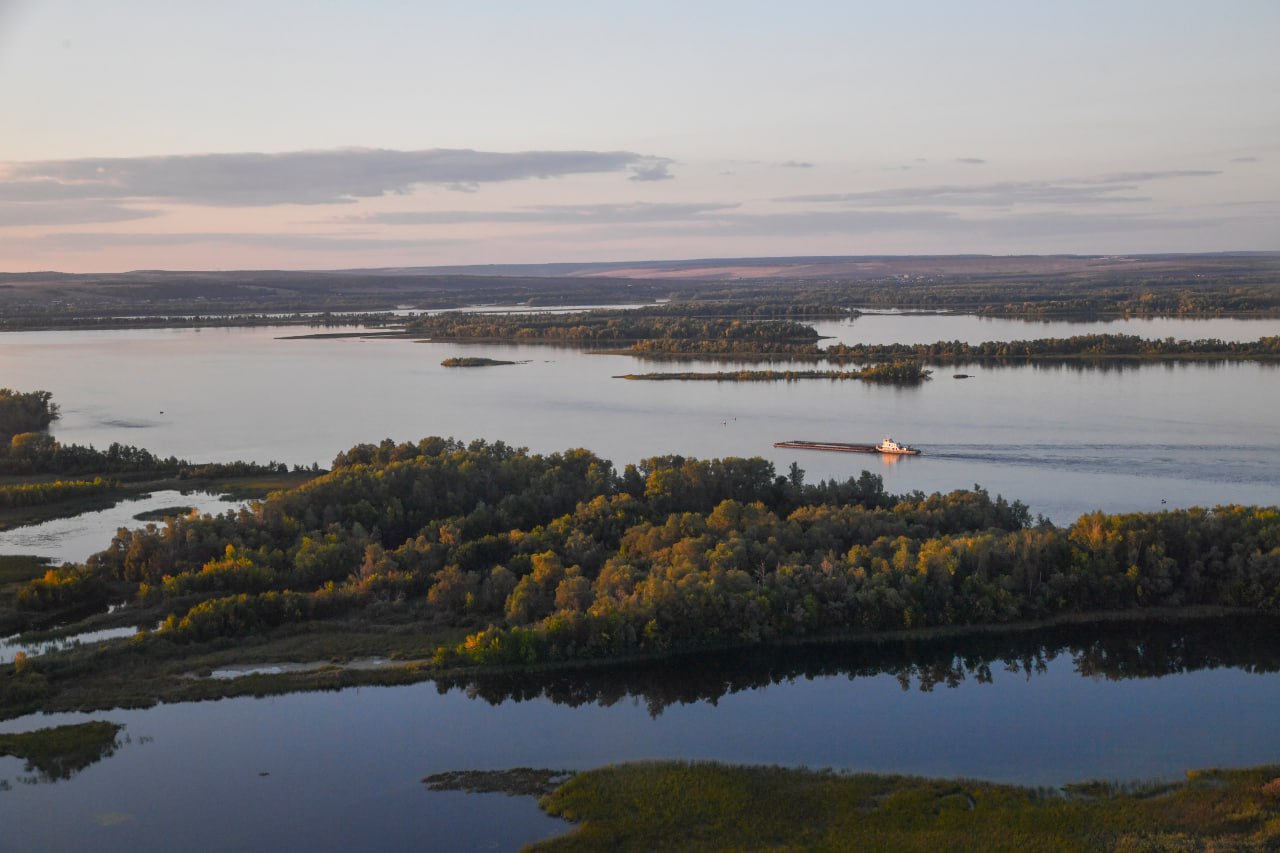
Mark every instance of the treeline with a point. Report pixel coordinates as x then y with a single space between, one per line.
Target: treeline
40 453
560 556
34 494
1188 300
25 412
1111 650
892 373
64 588
1079 346
1098 347
666 348
600 327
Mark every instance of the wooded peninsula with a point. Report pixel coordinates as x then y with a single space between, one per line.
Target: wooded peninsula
452 555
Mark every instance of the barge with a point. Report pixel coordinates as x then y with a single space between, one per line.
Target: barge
888 446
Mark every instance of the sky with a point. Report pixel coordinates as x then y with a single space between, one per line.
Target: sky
324 135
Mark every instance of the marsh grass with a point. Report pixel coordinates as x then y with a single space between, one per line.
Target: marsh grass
20 568
60 752
162 513
710 806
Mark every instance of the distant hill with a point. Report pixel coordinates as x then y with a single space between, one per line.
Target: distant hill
41 296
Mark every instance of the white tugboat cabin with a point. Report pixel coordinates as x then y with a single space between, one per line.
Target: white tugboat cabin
891 446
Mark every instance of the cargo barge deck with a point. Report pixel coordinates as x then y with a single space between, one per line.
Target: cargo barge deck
888 446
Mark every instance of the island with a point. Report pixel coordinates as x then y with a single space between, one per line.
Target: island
719 806
441 556
475 362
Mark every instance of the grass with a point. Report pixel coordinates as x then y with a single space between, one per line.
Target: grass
235 488
252 487
708 806
20 568
124 673
163 513
21 516
61 752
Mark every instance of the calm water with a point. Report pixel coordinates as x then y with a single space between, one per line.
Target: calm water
1062 439
345 768
72 540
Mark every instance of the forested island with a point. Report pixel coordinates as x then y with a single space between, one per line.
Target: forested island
610 329
893 373
450 555
685 330
1084 347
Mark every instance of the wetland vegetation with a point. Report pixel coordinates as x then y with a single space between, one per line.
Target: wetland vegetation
60 752
712 806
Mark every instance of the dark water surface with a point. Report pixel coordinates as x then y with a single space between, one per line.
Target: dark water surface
344 769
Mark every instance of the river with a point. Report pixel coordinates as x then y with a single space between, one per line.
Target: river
341 771
1065 440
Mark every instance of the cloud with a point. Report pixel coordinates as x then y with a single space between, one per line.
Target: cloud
303 177
1004 194
971 161
1099 189
583 214
68 213
653 169
83 241
1137 177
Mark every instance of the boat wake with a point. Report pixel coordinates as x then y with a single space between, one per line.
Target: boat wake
1220 463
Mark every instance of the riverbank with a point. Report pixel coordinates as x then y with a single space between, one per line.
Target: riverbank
126 673
123 488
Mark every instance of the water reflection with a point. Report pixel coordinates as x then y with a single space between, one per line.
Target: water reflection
1112 651
11 646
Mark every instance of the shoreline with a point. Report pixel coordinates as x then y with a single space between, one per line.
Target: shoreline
363 661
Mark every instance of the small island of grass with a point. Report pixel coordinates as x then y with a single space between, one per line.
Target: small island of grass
62 751
475 362
163 512
711 806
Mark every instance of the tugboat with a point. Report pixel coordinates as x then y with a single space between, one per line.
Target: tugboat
891 446
888 447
